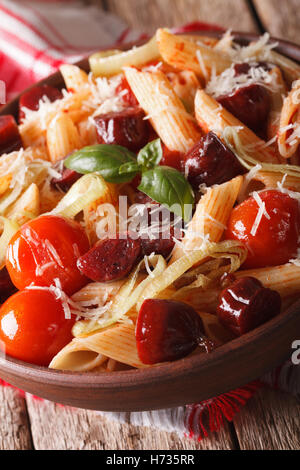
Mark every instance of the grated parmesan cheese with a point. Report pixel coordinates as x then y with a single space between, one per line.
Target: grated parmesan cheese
228 82
261 212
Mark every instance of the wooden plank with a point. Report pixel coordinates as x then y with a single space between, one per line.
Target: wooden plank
280 18
14 424
147 15
64 428
270 421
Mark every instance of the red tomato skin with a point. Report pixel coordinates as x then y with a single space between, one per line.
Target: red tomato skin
33 326
29 260
276 240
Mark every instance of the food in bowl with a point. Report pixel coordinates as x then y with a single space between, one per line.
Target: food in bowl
150 210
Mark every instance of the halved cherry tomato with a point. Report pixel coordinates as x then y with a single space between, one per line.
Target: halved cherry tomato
33 326
46 249
276 239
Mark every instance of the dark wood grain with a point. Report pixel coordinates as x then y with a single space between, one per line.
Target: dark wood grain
54 427
280 17
15 431
271 420
146 15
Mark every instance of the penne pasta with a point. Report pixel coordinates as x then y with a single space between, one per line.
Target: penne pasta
289 135
62 137
214 330
272 180
185 54
74 77
284 279
210 218
211 116
185 85
291 69
75 357
87 132
143 116
100 216
117 343
174 125
97 293
276 97
5 183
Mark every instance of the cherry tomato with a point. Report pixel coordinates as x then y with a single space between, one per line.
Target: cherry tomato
46 249
33 326
276 239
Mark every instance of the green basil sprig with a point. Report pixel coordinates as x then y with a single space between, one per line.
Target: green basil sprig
170 188
151 155
117 164
105 160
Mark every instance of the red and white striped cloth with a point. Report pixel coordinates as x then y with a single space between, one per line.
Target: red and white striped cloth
35 38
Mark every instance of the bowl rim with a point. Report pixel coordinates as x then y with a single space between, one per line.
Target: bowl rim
183 368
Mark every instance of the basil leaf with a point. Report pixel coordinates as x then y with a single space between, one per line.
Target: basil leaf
105 160
128 168
170 188
150 156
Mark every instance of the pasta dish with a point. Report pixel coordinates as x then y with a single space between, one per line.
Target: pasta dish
150 209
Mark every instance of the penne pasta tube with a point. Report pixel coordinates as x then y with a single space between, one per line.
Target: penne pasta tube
174 125
97 293
117 343
211 116
274 180
75 357
288 135
284 279
185 85
5 183
76 105
103 211
186 54
214 330
276 97
290 68
87 133
210 218
209 41
74 77
62 137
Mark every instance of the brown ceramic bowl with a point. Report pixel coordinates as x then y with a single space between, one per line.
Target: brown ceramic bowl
186 381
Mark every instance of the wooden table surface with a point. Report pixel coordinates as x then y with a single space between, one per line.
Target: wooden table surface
271 419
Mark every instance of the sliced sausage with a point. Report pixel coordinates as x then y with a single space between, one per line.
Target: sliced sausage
31 99
10 139
110 259
126 128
